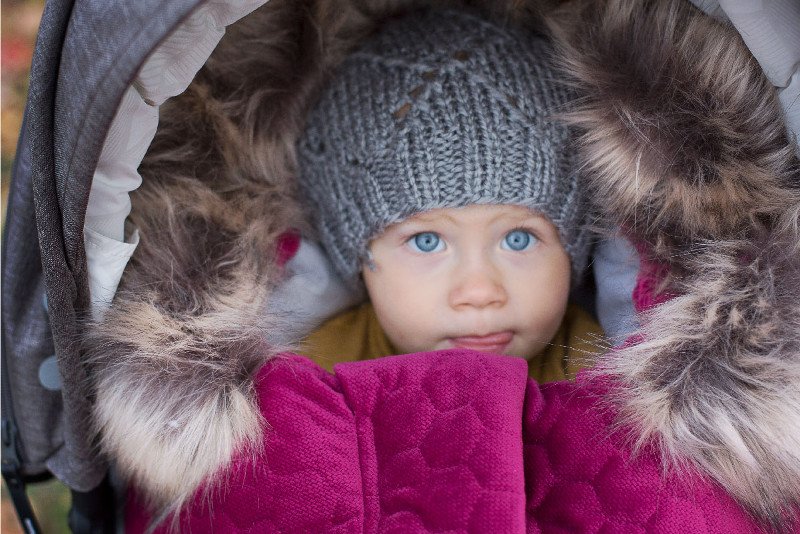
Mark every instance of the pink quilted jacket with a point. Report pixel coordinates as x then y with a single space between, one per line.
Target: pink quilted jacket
450 441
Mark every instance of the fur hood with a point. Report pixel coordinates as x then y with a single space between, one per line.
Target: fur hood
684 146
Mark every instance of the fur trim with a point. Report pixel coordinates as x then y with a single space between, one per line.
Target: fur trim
684 146
716 380
683 136
175 356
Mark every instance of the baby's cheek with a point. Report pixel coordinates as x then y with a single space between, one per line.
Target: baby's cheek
408 305
400 318
411 328
548 318
541 313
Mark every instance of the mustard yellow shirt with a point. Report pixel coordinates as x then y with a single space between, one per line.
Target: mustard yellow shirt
356 335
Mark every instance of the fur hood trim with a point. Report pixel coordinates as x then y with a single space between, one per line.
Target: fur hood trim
684 145
175 356
683 135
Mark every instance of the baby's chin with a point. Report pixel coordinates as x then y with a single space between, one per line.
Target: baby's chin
517 348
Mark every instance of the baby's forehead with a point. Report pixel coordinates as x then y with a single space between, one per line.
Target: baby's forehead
487 213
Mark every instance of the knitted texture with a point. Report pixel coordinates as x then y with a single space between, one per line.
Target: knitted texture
439 109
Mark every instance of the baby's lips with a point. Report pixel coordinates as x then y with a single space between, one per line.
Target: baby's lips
494 342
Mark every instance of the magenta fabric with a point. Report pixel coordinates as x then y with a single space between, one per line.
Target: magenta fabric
651 274
581 477
449 441
288 244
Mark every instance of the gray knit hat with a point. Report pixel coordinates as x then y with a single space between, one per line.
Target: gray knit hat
439 109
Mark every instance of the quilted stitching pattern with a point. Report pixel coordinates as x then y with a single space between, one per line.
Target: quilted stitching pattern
440 434
308 477
582 478
451 441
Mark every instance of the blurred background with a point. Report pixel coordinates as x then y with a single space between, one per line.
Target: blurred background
19 22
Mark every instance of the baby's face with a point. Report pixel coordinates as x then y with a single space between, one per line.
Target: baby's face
492 278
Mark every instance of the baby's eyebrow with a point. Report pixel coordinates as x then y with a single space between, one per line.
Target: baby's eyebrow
535 217
518 219
430 219
409 225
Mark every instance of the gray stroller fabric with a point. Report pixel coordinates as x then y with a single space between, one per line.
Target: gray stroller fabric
86 56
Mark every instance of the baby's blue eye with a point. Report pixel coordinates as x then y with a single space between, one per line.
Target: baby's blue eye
518 240
426 242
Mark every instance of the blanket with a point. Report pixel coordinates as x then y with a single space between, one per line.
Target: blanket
448 441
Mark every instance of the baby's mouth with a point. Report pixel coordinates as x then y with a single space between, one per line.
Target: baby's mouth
494 342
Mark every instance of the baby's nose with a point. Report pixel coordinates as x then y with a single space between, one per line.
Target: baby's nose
478 287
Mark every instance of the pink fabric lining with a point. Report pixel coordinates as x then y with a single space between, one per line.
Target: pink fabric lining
287 246
651 274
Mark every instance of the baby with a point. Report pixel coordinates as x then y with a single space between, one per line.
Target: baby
438 178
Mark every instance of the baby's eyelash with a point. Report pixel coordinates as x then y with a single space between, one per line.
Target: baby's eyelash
521 228
406 236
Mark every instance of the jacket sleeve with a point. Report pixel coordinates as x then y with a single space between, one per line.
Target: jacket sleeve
583 475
